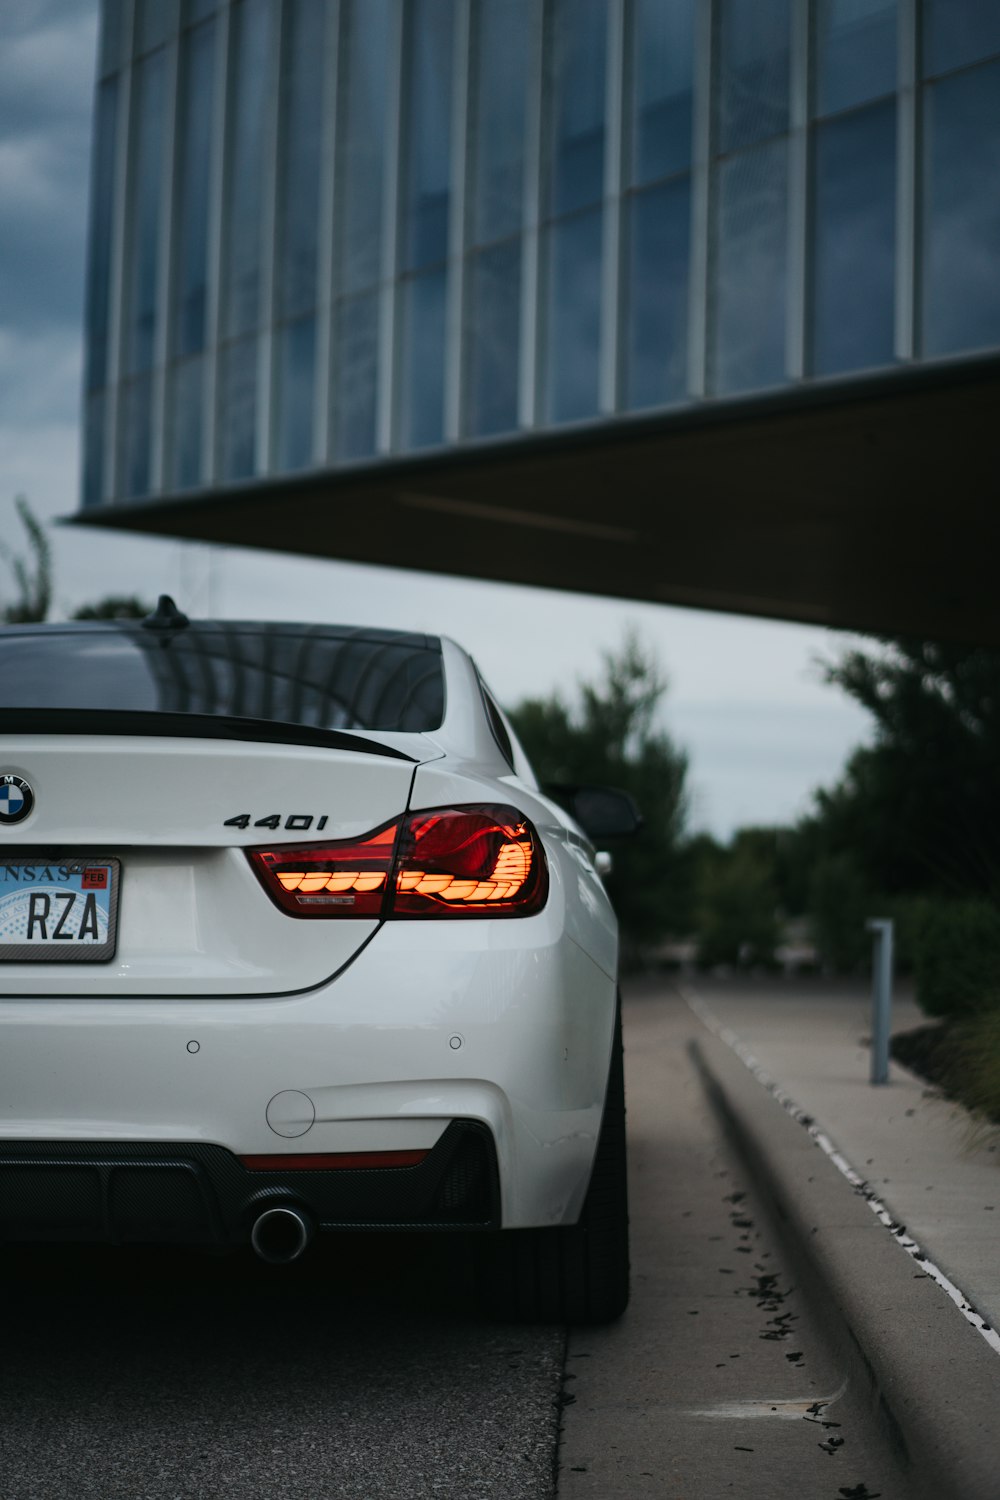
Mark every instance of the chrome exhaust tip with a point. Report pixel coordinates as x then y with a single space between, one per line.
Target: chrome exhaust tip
280 1235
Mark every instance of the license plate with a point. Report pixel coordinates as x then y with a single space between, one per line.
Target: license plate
58 909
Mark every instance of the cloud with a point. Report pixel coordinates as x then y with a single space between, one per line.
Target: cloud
46 94
39 378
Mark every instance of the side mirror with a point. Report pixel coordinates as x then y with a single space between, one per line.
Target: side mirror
603 812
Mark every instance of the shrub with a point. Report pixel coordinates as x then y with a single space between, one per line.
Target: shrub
974 1066
839 905
957 957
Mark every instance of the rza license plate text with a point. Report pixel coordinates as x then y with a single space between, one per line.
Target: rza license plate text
57 909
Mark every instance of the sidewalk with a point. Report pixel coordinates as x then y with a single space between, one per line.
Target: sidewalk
780 1055
916 1151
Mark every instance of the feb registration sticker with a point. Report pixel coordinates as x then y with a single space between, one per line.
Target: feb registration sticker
58 909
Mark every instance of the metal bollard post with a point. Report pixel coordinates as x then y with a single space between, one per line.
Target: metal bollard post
881 997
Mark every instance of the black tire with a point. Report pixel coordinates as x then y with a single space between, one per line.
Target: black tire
579 1273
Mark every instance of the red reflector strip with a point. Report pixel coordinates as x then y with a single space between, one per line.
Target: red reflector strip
338 1161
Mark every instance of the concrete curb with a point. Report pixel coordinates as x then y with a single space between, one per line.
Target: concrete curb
933 1383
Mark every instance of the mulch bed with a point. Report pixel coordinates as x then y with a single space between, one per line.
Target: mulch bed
927 1051
932 1052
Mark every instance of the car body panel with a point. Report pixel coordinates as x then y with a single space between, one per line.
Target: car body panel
224 1020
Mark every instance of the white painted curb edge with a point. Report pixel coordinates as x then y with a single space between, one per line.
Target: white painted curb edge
905 1241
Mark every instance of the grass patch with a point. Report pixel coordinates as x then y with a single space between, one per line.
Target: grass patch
961 1058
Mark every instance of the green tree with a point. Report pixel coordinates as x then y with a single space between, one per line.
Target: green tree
114 607
610 736
920 808
32 574
737 903
32 577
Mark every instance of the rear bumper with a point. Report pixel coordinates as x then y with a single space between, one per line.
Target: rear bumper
503 1025
130 1192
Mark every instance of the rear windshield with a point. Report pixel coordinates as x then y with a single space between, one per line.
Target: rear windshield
325 677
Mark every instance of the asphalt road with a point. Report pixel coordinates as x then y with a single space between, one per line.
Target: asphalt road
364 1371
367 1373
718 1381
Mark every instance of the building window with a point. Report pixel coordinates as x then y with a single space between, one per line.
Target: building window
237 401
854 239
185 406
662 66
855 52
421 372
297 246
657 229
657 204
961 211
145 246
189 308
504 35
957 33
357 368
102 206
748 281
576 61
748 254
752 78
424 219
362 103
295 368
251 84
493 307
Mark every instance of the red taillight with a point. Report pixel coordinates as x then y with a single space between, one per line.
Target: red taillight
337 1161
446 862
469 861
346 879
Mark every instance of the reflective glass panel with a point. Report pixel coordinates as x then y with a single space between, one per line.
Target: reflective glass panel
197 10
752 47
574 87
573 323
855 52
155 20
296 366
355 384
93 450
957 32
186 397
145 239
323 676
191 208
421 370
426 140
364 52
854 240
112 37
133 436
300 141
102 203
237 409
493 309
961 212
251 58
748 270
658 230
503 36
662 70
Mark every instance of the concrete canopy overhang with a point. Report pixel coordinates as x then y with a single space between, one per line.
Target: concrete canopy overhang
868 504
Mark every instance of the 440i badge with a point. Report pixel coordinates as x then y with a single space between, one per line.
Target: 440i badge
16 799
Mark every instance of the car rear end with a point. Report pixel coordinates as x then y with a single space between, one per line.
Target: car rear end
288 939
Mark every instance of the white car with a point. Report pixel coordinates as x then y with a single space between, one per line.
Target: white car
291 941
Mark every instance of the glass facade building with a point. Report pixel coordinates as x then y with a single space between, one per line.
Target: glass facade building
329 232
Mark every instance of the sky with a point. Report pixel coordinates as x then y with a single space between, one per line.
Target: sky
745 699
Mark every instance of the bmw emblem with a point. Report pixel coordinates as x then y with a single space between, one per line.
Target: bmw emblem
16 799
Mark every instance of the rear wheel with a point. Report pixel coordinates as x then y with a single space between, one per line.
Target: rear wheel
578 1273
